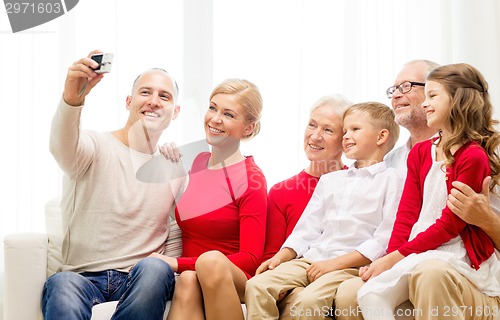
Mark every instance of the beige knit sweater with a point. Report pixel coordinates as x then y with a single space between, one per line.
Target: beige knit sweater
112 219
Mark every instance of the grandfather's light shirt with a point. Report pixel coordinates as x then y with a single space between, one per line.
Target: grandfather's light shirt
398 158
349 210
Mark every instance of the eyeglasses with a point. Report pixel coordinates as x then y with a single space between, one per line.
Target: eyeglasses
403 87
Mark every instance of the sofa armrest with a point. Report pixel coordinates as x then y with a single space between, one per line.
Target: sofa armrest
25 275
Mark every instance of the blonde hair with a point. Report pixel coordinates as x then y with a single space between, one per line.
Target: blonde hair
248 96
382 116
471 112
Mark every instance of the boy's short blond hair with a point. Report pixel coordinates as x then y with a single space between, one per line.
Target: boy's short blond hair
382 116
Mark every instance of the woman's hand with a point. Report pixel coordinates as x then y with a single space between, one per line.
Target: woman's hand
170 152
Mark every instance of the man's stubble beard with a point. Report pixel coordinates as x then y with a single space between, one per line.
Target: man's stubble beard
413 120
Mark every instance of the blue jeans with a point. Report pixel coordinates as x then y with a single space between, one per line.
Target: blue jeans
142 293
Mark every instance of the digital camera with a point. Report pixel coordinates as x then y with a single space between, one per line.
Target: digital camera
104 60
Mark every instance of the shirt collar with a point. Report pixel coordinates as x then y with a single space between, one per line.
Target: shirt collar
372 170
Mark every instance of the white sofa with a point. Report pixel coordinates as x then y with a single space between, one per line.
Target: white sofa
30 258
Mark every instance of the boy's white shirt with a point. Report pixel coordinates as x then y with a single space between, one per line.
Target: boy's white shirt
349 210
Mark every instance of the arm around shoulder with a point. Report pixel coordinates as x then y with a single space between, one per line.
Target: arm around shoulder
476 208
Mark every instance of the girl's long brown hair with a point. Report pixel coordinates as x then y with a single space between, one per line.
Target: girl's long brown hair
471 112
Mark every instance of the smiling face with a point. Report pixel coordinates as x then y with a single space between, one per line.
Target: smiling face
225 121
153 101
323 135
437 106
407 106
360 141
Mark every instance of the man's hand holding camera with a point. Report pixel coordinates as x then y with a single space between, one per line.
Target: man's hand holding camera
81 78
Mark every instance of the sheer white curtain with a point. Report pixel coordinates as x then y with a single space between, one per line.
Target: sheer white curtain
298 50
294 50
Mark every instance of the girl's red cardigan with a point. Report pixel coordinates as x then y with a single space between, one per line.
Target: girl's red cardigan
471 166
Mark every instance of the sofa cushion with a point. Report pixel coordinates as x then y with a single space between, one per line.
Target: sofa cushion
53 225
104 311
